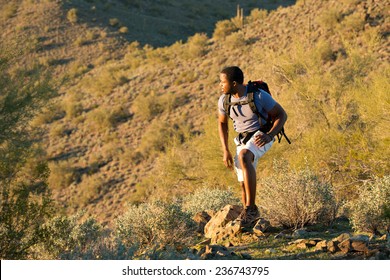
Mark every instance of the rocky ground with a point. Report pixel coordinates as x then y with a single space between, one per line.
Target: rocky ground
225 239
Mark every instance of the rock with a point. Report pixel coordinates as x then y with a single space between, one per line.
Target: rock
345 246
321 245
342 237
332 246
201 219
261 226
221 219
215 251
359 243
226 234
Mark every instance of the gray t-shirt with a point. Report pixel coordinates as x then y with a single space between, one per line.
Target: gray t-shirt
243 117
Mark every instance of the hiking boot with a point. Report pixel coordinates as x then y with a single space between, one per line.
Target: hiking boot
249 216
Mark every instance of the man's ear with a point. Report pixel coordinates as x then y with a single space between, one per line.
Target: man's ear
234 83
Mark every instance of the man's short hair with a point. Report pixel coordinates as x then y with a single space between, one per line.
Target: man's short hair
233 73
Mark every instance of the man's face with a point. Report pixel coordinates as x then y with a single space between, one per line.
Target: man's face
225 85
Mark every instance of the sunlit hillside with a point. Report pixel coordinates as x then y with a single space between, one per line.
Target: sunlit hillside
132 118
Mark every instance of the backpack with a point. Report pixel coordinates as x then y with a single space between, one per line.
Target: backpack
253 87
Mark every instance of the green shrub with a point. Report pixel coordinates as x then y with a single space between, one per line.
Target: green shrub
9 10
354 22
296 198
124 30
158 136
236 40
257 14
155 223
66 238
371 210
330 18
105 118
72 107
197 45
61 174
147 106
223 29
88 189
114 22
207 198
72 15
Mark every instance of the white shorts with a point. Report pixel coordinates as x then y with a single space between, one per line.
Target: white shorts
258 152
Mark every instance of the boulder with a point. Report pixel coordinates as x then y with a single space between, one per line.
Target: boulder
345 246
321 245
227 235
219 221
342 237
332 246
359 243
261 227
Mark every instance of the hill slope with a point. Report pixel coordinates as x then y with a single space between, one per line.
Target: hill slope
132 121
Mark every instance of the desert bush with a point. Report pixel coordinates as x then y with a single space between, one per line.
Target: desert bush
371 210
72 15
236 40
105 81
354 22
88 189
124 30
72 106
105 118
8 10
257 14
147 106
155 223
197 45
52 112
296 198
160 135
58 130
330 18
224 28
61 174
67 238
209 198
114 22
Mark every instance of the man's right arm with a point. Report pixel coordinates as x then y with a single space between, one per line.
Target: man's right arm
223 135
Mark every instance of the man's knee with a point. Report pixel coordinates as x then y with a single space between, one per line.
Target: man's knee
246 157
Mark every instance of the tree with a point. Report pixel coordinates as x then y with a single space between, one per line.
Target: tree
24 197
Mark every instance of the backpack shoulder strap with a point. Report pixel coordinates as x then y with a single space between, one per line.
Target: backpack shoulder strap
251 102
227 104
252 105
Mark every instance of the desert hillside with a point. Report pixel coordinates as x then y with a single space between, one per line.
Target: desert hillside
131 115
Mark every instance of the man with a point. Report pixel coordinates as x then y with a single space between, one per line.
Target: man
252 143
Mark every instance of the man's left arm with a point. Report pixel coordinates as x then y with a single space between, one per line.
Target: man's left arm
279 117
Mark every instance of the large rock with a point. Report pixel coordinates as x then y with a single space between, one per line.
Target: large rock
359 243
219 221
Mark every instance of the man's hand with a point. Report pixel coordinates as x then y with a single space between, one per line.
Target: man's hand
262 139
228 159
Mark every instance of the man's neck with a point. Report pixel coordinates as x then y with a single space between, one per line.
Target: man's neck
241 89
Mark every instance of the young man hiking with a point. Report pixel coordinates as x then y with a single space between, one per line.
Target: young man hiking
253 139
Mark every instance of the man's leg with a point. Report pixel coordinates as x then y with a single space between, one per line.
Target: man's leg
246 159
243 193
